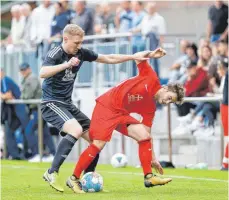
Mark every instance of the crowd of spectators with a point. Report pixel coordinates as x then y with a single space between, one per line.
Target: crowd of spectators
201 67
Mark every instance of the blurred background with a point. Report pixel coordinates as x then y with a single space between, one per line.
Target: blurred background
194 34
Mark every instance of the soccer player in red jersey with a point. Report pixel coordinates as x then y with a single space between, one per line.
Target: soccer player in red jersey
112 112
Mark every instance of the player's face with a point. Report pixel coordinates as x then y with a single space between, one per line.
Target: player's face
167 97
73 43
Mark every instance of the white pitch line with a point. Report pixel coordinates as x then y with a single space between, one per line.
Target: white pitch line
122 173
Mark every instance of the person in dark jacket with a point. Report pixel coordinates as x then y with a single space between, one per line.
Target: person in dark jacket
13 116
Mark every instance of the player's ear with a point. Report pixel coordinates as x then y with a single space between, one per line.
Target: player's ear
65 38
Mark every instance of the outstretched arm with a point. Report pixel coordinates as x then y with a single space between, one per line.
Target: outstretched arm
119 58
157 53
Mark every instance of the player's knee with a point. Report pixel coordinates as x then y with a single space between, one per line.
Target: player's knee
100 144
138 132
144 136
73 128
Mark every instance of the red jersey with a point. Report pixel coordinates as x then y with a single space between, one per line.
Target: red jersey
135 95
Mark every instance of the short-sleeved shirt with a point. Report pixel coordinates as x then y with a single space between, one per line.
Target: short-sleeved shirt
135 95
60 86
8 85
219 18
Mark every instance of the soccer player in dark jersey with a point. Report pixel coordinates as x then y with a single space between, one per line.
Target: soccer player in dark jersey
59 71
135 95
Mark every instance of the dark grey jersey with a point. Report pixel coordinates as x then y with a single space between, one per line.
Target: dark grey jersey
59 87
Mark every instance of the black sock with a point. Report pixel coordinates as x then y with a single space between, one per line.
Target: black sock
92 166
63 149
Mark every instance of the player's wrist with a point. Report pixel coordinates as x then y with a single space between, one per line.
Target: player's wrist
66 65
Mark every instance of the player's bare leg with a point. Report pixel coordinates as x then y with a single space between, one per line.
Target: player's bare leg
140 133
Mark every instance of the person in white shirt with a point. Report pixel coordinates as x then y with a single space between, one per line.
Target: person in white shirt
152 26
152 22
26 36
41 25
14 39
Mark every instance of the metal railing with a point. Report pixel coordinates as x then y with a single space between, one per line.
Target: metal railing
186 99
88 74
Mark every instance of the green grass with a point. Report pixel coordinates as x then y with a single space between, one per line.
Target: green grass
23 181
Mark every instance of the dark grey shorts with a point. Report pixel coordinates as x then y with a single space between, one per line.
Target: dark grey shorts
57 113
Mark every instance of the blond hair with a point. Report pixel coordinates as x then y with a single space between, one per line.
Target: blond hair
73 29
179 90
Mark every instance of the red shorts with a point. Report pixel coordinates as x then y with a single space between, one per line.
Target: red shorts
105 120
224 118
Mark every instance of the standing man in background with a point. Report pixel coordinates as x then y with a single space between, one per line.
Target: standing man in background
31 89
153 26
217 28
41 26
84 17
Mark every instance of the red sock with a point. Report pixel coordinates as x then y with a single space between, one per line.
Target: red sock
85 159
225 159
145 155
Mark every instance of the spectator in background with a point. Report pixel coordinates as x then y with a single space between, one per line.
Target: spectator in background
60 20
204 57
202 42
217 28
17 28
84 17
17 25
196 86
41 26
12 116
222 69
222 50
138 43
26 12
191 51
66 10
107 18
175 68
124 17
153 26
104 22
31 89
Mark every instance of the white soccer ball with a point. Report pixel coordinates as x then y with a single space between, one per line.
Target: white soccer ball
119 160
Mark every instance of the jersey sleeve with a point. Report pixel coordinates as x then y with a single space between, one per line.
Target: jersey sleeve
52 57
148 118
145 69
89 55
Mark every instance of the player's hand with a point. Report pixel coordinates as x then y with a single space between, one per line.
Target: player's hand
157 53
73 62
157 166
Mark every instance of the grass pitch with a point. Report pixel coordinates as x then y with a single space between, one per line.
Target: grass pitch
23 181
